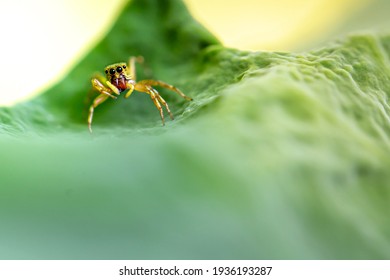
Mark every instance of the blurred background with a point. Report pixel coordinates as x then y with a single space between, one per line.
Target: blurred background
42 39
298 171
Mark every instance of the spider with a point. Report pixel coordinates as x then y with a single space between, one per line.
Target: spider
121 77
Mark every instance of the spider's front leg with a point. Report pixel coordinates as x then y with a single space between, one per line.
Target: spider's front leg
132 74
105 92
98 84
96 102
132 71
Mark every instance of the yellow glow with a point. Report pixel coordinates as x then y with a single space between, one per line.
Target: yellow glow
41 38
269 24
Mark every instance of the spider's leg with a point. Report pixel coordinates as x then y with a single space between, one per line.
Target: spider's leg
96 102
132 71
163 102
113 88
158 105
131 89
99 86
153 95
167 86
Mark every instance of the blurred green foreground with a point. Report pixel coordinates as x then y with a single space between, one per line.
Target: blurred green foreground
279 156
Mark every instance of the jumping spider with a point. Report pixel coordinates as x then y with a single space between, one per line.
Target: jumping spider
121 77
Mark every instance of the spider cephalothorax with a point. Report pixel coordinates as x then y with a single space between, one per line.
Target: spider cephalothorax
121 77
118 76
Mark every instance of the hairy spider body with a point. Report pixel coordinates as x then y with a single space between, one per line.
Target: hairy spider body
121 77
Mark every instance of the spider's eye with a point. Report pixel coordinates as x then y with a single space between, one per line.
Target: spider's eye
106 71
124 66
112 71
119 69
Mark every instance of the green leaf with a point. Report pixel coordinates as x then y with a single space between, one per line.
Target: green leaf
279 156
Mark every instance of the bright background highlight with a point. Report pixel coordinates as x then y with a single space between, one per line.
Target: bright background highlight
41 39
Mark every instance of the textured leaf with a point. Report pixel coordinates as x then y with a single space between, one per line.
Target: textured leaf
280 155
